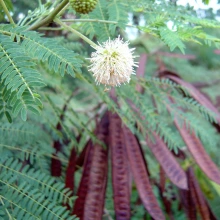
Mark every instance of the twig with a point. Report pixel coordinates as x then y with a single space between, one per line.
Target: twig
51 28
58 21
91 109
34 153
56 163
7 12
50 17
95 20
63 10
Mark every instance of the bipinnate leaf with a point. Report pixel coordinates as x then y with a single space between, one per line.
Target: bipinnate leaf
195 93
60 59
120 169
19 78
167 161
198 152
197 195
139 172
171 38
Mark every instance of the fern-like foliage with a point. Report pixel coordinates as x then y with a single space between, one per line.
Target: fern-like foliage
111 14
66 143
185 25
171 24
117 11
59 58
171 39
30 193
92 28
27 189
19 77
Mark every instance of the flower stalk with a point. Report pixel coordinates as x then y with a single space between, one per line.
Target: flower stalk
86 39
7 12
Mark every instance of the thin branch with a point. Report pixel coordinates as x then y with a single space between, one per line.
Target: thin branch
56 163
74 93
58 21
95 20
51 28
89 20
93 108
50 17
63 10
31 152
7 12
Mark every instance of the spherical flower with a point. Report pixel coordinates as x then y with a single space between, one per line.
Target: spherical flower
112 63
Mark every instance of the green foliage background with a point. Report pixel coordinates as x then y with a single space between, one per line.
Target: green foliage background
42 70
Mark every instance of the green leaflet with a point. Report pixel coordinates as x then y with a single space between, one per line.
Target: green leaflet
18 73
16 85
171 39
33 193
46 50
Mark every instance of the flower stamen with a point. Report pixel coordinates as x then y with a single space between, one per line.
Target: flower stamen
112 63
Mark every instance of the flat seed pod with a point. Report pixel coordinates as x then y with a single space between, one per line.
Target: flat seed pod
83 186
197 195
139 172
167 161
198 152
95 197
120 169
188 204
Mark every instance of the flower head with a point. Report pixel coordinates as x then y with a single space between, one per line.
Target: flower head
112 63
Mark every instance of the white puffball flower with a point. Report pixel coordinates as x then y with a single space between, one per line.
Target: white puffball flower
112 63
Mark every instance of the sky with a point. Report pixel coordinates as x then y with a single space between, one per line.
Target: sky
199 4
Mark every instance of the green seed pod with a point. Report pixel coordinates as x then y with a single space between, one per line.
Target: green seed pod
83 6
